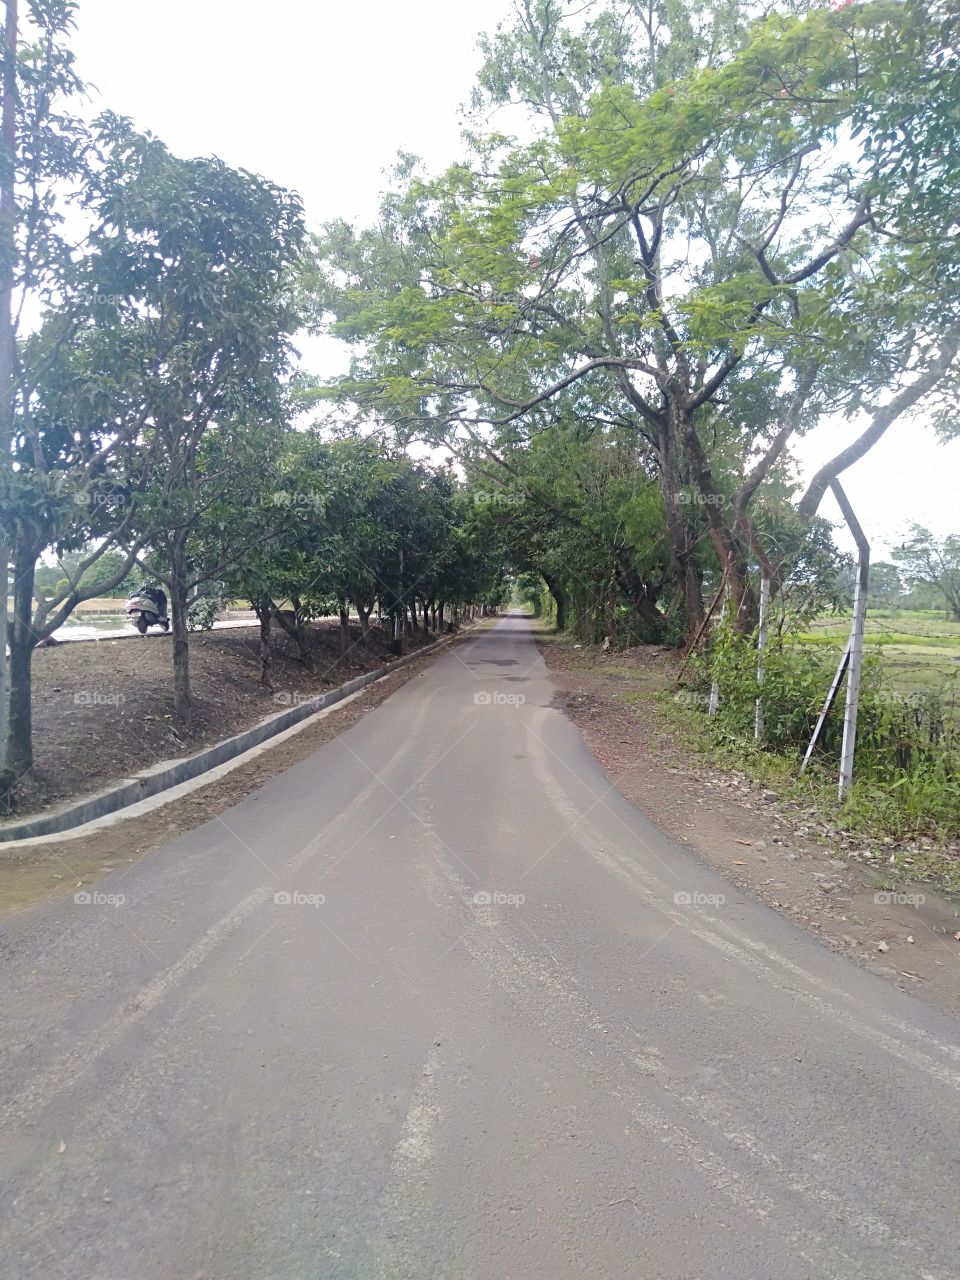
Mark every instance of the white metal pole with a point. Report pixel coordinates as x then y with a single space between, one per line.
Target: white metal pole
714 702
849 747
853 676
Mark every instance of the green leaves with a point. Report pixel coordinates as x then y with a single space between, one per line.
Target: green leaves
708 232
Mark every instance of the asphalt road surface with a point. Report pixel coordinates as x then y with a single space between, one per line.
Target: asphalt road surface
438 1003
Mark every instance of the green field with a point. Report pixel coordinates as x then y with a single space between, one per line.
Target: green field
919 651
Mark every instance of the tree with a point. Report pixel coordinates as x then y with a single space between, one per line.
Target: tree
682 248
886 586
577 507
936 563
298 547
203 324
363 519
64 470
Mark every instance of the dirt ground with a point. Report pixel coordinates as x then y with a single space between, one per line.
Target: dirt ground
104 710
33 873
749 833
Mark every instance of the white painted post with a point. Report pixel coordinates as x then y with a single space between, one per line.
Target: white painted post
761 646
827 707
848 749
853 676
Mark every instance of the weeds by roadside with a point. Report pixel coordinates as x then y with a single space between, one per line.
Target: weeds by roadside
906 788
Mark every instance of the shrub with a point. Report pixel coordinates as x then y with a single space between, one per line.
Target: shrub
907 764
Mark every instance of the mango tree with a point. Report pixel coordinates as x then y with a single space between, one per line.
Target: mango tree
204 318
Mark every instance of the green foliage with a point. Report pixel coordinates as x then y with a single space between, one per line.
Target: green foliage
716 230
907 765
203 611
50 579
344 522
532 593
932 563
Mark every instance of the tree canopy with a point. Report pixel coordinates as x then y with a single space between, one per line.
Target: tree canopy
709 235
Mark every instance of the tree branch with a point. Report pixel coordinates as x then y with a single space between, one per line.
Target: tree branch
882 419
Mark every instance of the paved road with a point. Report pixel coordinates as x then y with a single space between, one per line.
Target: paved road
500 1048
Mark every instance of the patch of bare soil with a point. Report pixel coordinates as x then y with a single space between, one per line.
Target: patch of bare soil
34 873
103 710
748 833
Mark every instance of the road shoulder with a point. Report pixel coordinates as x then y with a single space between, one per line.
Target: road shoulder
746 833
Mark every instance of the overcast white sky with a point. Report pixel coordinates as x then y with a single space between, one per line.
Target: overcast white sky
319 96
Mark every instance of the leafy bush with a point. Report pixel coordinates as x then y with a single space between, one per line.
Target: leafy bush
202 613
907 765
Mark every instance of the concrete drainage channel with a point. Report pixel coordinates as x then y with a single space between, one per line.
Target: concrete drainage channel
152 782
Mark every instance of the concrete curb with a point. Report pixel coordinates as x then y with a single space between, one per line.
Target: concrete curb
150 782
110 637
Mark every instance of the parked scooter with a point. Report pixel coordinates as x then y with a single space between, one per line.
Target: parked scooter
147 607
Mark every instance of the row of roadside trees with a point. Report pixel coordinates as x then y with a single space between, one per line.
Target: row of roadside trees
150 415
681 236
711 233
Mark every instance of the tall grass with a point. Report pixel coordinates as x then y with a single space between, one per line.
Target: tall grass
907 764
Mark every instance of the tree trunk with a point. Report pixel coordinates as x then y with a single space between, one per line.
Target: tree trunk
679 542
4 633
182 701
733 555
414 626
290 623
398 620
8 341
647 620
306 657
264 610
7 775
879 423
426 615
344 631
20 721
19 757
559 599
364 615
